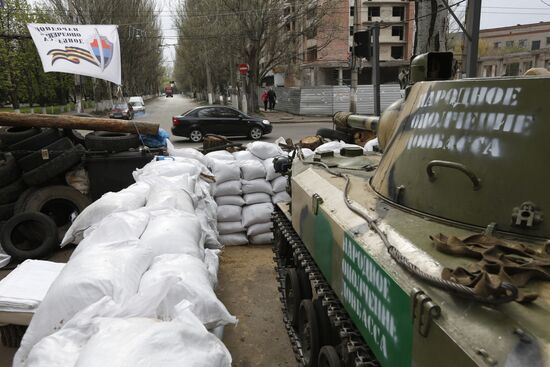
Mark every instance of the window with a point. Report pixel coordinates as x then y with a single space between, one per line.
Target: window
548 40
397 52
374 11
311 54
227 112
509 43
352 11
206 112
512 69
398 11
522 43
497 44
192 113
397 31
351 30
535 45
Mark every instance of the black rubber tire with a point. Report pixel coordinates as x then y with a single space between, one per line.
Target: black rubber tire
12 134
333 134
111 142
327 334
308 333
328 357
6 210
54 167
75 136
305 284
10 193
34 143
61 203
9 172
22 199
253 135
55 149
293 296
199 137
29 236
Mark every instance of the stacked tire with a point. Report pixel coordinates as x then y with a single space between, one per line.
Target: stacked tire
34 199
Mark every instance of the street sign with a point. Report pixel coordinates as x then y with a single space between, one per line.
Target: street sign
243 69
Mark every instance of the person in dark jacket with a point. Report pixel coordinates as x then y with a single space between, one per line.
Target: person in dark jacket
272 99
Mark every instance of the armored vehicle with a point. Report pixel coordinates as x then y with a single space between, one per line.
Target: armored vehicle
434 252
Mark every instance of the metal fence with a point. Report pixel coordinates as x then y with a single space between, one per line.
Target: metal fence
330 99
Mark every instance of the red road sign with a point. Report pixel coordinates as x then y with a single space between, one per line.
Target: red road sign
243 68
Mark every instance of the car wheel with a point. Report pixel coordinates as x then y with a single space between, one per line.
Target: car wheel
256 133
195 135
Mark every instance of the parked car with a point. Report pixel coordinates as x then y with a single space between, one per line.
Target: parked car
136 99
194 124
122 111
137 106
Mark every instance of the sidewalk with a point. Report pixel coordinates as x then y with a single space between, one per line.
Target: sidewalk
280 117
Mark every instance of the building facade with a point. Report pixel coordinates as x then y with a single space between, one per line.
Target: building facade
325 55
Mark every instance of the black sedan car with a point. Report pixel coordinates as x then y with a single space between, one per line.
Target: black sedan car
194 124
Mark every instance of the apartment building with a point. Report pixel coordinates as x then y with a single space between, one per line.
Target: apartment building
325 55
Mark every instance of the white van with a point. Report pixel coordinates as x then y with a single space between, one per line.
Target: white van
137 104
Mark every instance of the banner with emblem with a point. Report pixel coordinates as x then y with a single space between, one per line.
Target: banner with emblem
91 50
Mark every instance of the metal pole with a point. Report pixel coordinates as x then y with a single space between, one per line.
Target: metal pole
354 61
473 17
376 66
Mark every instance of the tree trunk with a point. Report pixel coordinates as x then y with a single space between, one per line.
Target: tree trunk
431 27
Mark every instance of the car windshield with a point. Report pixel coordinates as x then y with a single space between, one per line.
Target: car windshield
136 104
120 106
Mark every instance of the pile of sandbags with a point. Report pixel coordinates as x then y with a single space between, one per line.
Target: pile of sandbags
139 288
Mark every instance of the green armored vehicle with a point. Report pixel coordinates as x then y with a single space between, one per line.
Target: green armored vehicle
435 252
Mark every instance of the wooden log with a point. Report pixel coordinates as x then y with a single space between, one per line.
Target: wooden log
77 123
311 142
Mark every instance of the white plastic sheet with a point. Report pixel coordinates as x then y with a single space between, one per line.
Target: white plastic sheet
170 168
264 150
185 152
257 213
256 198
230 200
252 169
212 262
279 184
133 197
229 213
234 239
194 284
174 232
257 185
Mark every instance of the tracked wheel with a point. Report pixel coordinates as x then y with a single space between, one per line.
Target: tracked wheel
305 284
293 295
308 332
328 357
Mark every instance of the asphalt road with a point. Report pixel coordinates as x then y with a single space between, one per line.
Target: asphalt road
161 110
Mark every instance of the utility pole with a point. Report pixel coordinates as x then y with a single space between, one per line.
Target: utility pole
473 16
77 78
354 61
376 66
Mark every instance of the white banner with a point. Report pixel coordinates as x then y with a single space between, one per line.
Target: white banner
91 50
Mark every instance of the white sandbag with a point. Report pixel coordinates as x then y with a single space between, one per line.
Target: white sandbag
244 155
252 169
225 171
230 227
185 152
261 239
234 239
270 173
223 155
170 168
257 213
256 198
174 232
257 185
170 197
334 146
306 152
194 284
229 213
207 212
259 228
116 227
133 197
212 262
371 145
264 150
227 188
279 184
90 275
230 200
279 197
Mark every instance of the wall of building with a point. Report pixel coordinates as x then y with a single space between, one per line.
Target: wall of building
521 36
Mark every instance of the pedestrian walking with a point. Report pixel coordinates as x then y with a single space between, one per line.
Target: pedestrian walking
265 99
272 99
